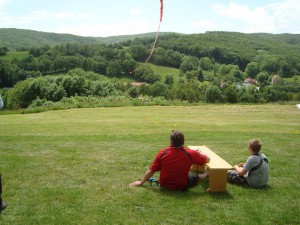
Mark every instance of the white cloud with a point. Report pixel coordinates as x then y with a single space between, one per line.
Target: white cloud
104 30
205 25
277 17
3 3
286 14
10 21
63 15
233 10
136 12
252 20
70 15
83 16
39 16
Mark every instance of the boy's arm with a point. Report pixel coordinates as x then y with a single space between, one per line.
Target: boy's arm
146 177
241 171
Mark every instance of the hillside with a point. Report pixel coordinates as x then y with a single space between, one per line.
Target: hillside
190 68
293 39
237 45
18 39
240 48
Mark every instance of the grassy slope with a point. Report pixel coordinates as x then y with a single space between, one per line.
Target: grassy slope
14 55
295 78
164 71
74 166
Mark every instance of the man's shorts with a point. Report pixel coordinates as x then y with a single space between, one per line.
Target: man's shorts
193 180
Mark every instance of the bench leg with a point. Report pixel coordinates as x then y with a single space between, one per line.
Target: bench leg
217 180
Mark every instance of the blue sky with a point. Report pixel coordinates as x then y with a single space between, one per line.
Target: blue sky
103 18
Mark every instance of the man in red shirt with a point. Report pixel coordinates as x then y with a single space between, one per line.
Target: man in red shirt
174 164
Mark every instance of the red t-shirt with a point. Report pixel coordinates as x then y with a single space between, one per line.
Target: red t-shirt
174 165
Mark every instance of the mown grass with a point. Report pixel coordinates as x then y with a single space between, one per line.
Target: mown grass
74 166
164 71
294 79
14 55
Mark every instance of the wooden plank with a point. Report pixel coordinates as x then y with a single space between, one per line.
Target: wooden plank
216 162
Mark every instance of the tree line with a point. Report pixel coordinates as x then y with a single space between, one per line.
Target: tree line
205 75
77 82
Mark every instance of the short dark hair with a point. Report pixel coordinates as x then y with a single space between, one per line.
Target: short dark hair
255 145
176 138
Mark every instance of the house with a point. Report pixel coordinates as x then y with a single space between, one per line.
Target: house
137 84
249 82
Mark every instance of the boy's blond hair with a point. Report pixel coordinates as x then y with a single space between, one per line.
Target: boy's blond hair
255 145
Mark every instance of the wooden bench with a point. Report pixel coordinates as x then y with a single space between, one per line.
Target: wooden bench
217 166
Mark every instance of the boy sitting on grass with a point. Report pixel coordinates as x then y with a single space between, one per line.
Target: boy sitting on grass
255 172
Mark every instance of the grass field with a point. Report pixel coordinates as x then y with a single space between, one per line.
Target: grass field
74 166
164 71
14 55
294 79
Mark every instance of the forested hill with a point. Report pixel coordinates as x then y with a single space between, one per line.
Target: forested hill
293 39
20 39
212 67
245 45
231 45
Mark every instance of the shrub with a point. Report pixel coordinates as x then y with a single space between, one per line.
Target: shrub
213 94
230 94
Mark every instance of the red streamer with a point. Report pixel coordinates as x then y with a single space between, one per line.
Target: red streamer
161 9
160 20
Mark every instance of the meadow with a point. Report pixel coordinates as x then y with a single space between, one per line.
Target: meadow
14 55
74 166
163 71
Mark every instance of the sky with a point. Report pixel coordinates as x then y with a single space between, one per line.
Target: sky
102 18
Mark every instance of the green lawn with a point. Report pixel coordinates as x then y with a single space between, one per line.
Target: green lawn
12 55
164 71
294 79
74 166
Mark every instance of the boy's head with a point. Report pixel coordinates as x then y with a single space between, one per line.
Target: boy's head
176 138
255 145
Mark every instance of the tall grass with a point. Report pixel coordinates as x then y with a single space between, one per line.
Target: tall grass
41 105
74 166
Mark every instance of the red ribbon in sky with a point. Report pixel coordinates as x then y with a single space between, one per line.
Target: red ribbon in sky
160 20
161 9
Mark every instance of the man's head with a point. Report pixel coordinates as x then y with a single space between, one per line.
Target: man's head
176 138
255 145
